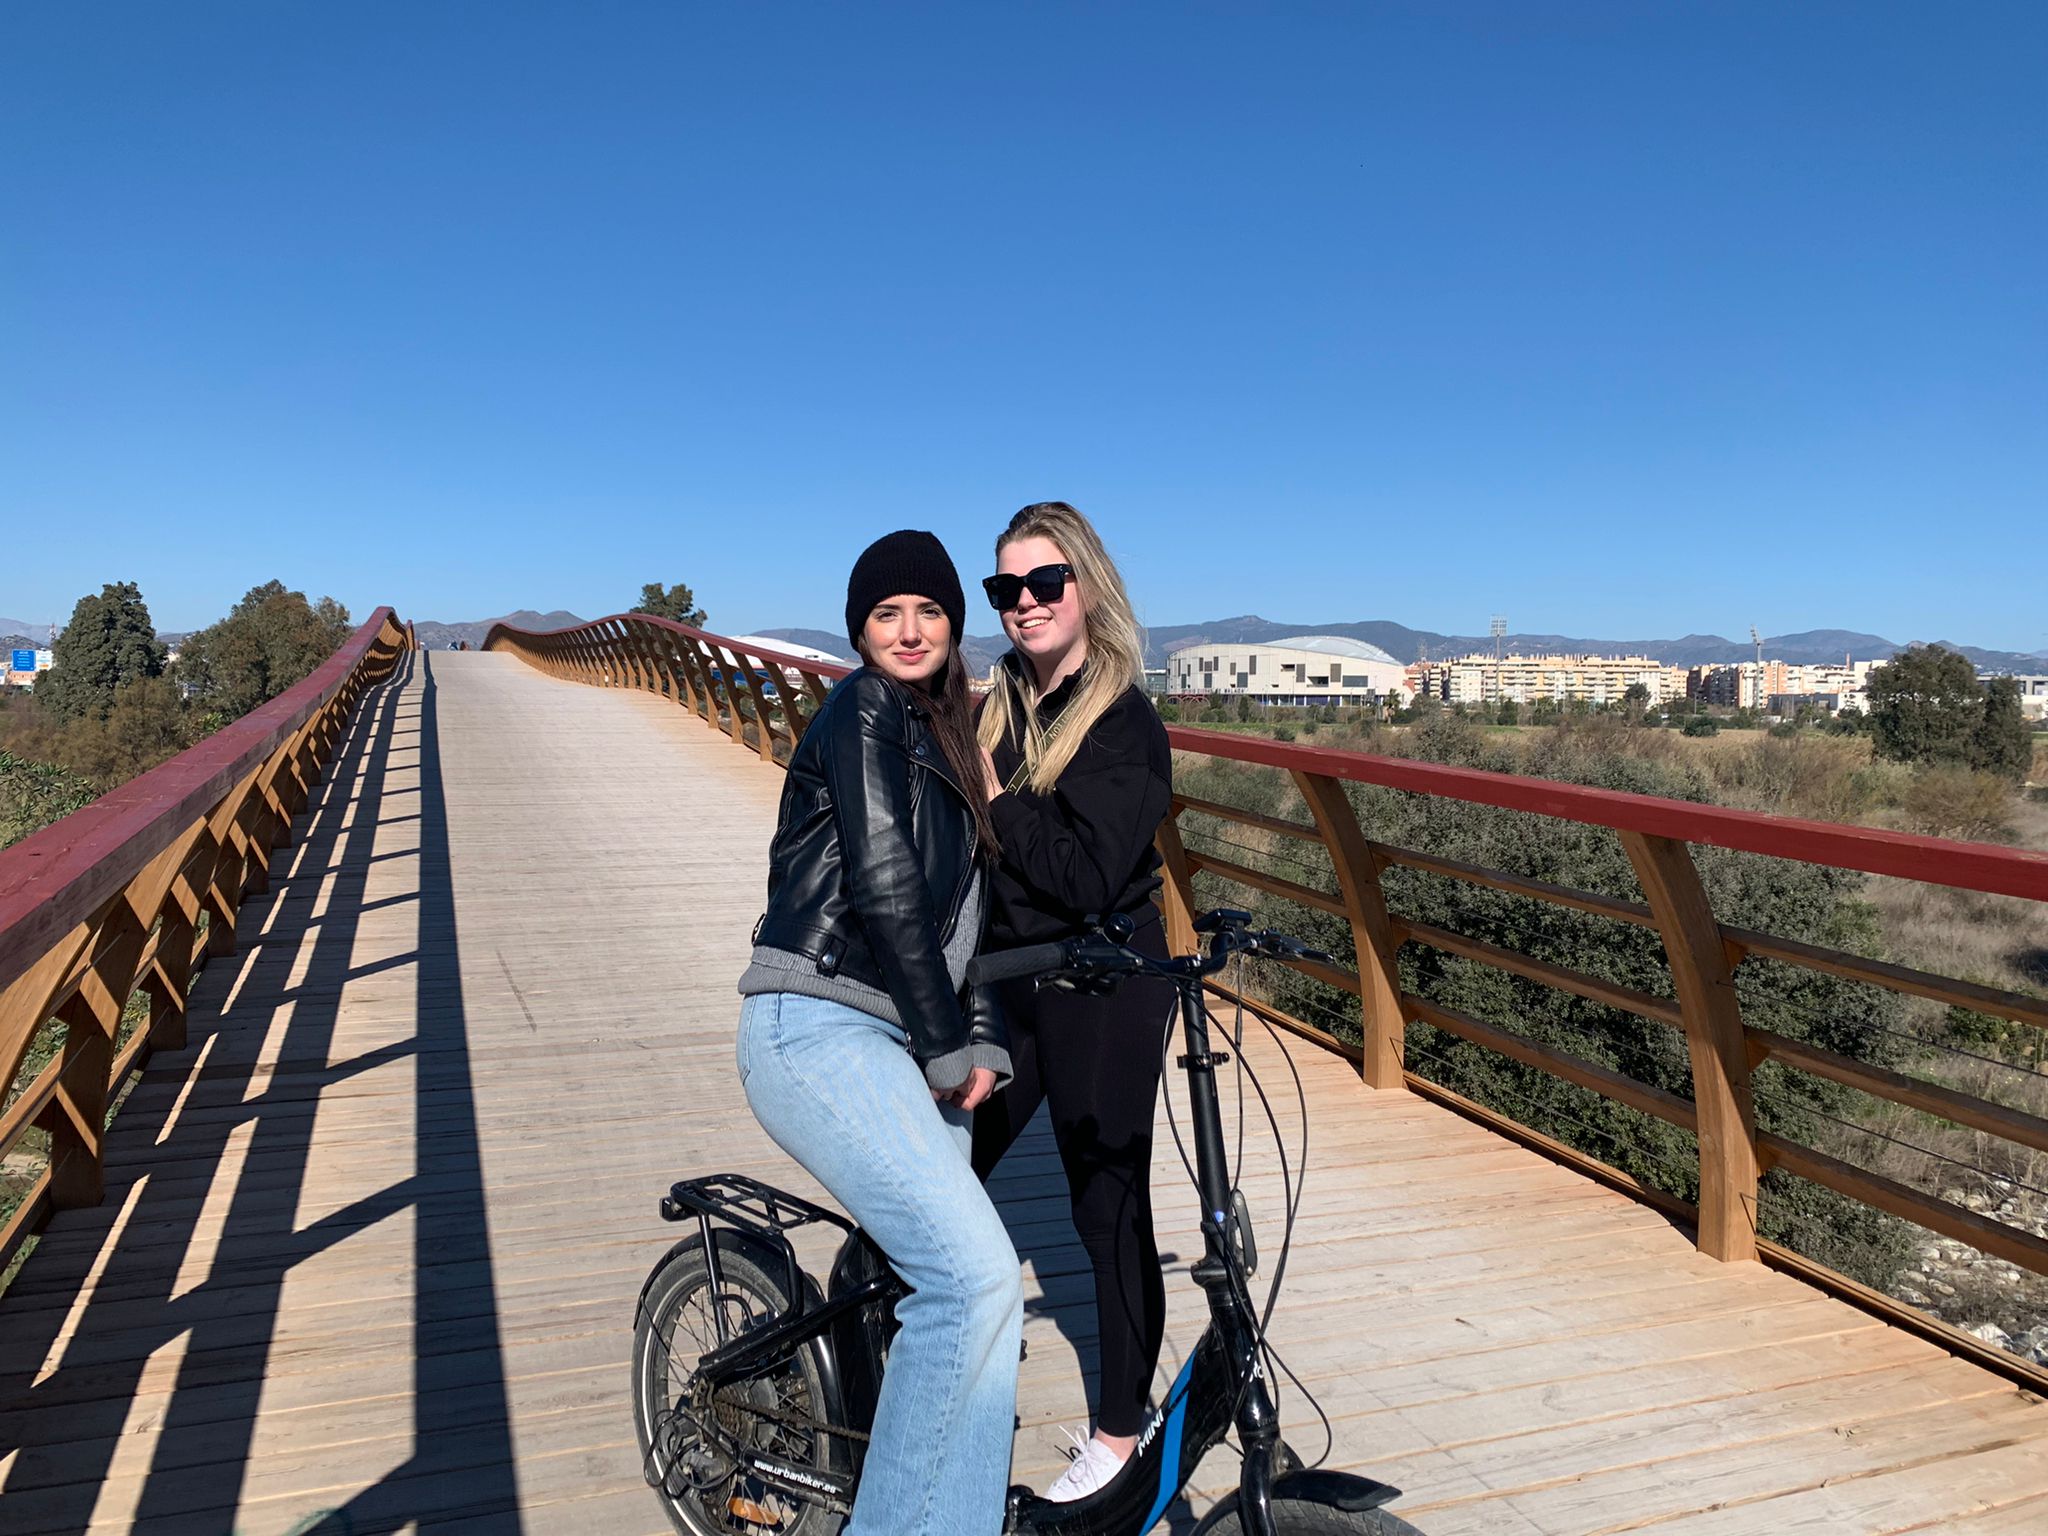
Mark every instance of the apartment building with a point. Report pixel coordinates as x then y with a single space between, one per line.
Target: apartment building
1303 669
1525 679
1780 687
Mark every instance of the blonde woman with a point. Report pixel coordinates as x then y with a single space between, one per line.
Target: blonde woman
1079 778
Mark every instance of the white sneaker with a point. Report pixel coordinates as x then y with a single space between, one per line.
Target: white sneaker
1094 1465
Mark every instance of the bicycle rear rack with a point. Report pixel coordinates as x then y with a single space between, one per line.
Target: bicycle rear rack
760 1211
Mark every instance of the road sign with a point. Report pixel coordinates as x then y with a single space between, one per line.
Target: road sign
24 661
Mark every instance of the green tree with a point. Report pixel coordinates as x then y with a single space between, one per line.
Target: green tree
109 641
2003 743
147 724
1509 713
678 604
1925 706
270 640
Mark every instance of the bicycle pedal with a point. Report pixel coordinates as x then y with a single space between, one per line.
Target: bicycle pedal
740 1507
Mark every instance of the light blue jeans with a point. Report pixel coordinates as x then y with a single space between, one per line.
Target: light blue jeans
840 1094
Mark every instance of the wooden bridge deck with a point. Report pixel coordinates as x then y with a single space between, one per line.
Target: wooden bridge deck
372 1241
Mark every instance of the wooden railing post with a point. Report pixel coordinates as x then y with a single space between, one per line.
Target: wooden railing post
1177 890
1384 1024
1713 1034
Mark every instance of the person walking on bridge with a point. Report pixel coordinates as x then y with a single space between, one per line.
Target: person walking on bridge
861 1054
1079 778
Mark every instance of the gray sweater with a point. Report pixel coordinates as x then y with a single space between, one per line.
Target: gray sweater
780 970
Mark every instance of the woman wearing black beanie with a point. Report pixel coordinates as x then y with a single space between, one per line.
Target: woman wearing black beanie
862 1054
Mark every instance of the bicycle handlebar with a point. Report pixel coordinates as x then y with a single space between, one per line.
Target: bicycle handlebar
1101 957
1009 964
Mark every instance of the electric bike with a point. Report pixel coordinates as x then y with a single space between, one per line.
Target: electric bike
754 1387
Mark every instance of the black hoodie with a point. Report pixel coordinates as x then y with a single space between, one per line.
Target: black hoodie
1085 849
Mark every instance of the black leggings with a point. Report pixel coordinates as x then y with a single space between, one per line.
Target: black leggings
1096 1061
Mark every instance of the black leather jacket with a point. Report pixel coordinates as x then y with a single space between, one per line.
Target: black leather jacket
871 862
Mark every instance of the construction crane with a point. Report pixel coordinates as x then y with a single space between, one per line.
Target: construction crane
1758 641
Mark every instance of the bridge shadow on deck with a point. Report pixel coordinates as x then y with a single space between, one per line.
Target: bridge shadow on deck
144 1337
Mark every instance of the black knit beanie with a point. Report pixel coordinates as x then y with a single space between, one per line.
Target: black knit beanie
905 561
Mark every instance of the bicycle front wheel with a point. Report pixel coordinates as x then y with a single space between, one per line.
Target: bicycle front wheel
686 1436
1297 1517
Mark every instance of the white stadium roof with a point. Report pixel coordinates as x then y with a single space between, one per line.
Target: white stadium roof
1334 645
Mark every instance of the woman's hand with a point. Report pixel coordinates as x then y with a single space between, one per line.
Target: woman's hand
980 1083
989 777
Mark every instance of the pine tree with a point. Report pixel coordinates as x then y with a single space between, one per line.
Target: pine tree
678 604
2003 743
109 641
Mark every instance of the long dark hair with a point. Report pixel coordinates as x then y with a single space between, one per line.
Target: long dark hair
952 712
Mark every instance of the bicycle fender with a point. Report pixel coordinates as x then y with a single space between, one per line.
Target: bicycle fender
1335 1490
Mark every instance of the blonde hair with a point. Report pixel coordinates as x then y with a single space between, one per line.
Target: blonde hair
1116 649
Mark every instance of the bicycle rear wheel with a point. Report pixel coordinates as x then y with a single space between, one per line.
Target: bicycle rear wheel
685 1434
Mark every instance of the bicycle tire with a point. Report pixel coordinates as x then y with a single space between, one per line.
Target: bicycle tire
675 1297
1298 1517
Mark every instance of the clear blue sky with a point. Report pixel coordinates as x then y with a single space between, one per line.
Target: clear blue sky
1623 319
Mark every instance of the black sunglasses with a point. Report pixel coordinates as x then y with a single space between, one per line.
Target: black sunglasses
1047 582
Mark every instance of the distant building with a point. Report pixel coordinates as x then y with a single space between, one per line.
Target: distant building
1766 686
1526 679
1303 669
40 660
2033 694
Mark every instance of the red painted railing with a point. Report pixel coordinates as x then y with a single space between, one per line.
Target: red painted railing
107 904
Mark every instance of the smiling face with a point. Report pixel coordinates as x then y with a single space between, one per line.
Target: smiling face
1052 636
908 637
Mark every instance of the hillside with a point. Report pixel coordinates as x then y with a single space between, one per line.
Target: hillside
435 635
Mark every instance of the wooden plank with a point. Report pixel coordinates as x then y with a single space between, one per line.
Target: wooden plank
1259 880
2015 1245
1592 988
1519 885
1618 1086
1897 1088
1897 978
1244 818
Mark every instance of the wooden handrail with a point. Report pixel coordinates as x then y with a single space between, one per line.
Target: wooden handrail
1934 860
1703 955
717 678
107 902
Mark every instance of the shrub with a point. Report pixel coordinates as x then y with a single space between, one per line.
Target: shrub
1286 732
1951 801
1705 725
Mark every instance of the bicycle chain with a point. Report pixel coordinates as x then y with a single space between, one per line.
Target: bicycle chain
789 1417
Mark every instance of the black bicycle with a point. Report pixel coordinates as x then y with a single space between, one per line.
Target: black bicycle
754 1388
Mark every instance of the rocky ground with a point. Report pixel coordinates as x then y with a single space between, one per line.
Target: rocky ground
1999 1302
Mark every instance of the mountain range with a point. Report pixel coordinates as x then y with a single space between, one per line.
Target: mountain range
1405 644
435 635
1397 640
